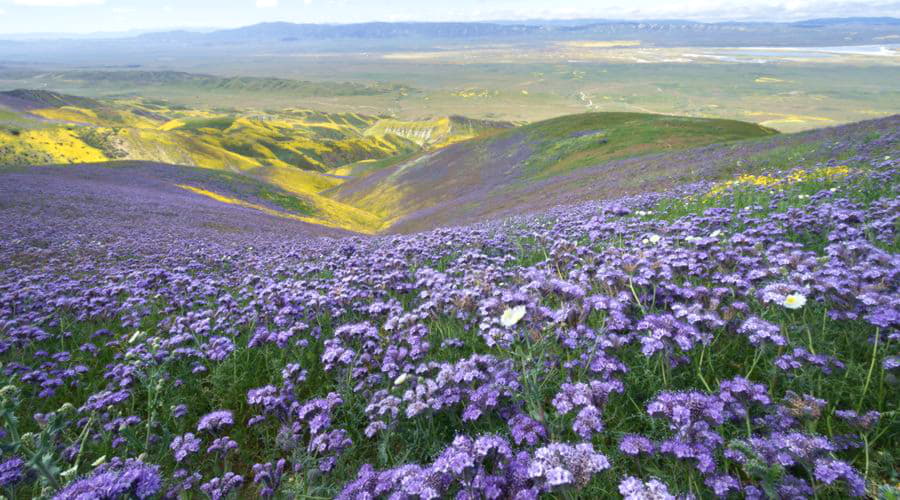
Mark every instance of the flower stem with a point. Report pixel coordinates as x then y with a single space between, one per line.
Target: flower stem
871 369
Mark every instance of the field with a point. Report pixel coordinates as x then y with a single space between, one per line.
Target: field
730 338
786 90
548 259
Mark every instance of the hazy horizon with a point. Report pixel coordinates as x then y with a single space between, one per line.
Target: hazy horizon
109 17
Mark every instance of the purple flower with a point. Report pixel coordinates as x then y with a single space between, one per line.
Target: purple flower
12 471
633 488
633 444
800 357
664 333
219 487
216 420
829 470
759 331
526 429
739 394
222 446
184 445
179 411
865 422
269 476
114 480
559 464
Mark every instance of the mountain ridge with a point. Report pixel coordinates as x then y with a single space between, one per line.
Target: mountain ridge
292 32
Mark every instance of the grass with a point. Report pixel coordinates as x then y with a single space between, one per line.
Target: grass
420 440
566 144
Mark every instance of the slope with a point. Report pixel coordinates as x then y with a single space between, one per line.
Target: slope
488 175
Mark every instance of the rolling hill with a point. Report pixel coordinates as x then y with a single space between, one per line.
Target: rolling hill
290 150
102 200
59 128
493 174
371 174
195 82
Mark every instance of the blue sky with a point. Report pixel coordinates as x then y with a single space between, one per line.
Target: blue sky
86 16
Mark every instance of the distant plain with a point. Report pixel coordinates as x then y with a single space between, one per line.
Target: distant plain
789 89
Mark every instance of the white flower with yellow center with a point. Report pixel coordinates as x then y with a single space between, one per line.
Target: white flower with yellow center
794 301
512 316
654 238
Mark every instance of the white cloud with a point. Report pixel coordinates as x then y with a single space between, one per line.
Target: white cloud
266 4
58 3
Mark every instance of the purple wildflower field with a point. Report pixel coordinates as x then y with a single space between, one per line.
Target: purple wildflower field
734 339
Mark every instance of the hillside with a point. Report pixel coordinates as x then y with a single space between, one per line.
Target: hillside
494 174
70 129
59 128
109 199
371 174
732 338
118 80
436 133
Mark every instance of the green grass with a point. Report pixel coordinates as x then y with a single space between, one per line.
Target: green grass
293 204
560 145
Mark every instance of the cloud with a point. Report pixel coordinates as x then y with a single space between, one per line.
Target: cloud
266 4
58 3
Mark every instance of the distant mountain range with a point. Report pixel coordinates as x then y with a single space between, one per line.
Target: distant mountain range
661 32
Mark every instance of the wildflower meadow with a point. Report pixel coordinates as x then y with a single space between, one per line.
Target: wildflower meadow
734 339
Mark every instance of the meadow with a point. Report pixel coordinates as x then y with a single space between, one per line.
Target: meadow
452 261
732 338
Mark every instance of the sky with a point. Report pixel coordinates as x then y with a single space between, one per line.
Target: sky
89 16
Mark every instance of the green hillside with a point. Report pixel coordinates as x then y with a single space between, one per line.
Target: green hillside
486 173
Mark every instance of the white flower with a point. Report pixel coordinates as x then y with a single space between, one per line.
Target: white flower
401 379
716 233
512 316
803 196
654 238
794 301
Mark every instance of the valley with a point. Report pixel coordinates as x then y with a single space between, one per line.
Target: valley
348 170
510 259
